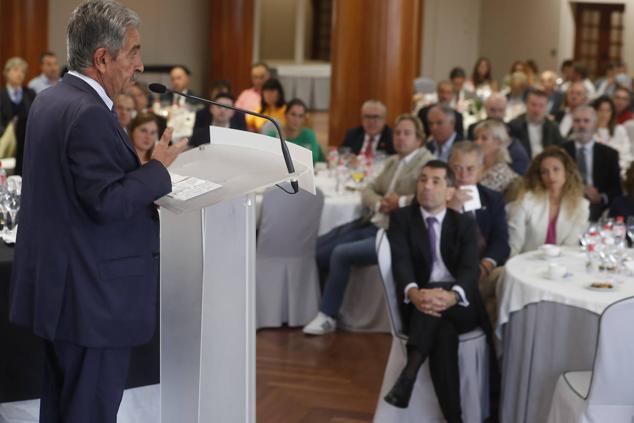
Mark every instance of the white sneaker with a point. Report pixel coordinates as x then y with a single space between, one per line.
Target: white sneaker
320 325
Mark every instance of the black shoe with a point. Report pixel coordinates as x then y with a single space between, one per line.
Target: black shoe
401 392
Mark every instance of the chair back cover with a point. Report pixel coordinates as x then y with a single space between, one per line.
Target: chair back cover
384 256
613 374
424 85
289 223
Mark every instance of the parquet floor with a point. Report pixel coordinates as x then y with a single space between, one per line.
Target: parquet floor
334 378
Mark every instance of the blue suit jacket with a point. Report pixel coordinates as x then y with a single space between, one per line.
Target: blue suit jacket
86 259
492 224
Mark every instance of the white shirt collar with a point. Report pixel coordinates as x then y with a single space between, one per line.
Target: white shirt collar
95 86
439 217
588 146
410 156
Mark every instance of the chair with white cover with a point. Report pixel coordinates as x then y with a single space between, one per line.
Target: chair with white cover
424 85
287 282
606 393
473 362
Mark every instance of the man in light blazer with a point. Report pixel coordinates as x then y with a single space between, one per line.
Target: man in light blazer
86 268
352 244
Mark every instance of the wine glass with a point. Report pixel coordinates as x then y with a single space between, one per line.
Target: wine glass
630 229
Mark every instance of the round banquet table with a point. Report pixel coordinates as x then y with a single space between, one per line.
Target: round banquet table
548 327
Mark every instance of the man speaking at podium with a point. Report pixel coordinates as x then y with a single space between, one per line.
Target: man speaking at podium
85 274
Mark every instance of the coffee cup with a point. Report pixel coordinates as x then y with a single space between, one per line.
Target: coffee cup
556 271
550 250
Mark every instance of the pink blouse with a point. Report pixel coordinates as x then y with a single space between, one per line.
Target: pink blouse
551 234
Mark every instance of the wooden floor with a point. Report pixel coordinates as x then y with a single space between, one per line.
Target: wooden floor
334 378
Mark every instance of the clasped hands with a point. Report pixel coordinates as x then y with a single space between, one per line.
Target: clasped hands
432 301
389 203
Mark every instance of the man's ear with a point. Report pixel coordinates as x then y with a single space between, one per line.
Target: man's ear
99 58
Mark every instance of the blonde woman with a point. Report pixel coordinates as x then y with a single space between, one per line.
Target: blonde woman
493 138
550 208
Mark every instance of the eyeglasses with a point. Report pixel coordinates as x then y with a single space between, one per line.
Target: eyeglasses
371 117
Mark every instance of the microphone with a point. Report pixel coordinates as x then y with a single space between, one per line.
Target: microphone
161 89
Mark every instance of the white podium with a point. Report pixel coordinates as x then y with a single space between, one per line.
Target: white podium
207 285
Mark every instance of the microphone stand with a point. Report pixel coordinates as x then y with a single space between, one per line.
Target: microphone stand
160 89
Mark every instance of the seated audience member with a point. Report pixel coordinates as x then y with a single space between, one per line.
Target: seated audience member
141 96
49 75
624 204
144 134
273 104
548 82
219 116
294 131
550 208
466 161
495 108
577 95
482 82
442 133
611 134
352 244
516 66
606 84
580 74
373 134
533 129
460 94
179 81
531 70
566 75
444 91
492 138
124 106
251 98
623 104
518 85
204 116
598 164
435 265
15 103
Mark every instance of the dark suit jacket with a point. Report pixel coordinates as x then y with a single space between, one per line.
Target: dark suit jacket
519 156
354 140
204 118
605 173
492 224
550 133
411 256
557 99
86 260
422 115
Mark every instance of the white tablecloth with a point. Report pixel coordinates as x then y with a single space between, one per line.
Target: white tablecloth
525 283
339 208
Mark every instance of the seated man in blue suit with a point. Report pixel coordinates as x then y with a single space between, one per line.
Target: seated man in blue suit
86 268
373 134
435 266
466 160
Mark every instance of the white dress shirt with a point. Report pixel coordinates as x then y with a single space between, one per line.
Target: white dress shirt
95 86
443 152
535 137
439 271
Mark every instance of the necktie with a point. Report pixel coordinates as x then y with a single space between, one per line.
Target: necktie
431 230
581 164
17 95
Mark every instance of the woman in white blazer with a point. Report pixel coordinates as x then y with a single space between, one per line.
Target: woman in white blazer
550 207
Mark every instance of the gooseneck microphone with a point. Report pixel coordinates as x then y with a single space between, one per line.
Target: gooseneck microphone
161 89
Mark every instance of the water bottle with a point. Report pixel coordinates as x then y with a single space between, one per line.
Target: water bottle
3 178
618 230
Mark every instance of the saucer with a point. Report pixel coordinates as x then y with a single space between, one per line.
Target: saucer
611 288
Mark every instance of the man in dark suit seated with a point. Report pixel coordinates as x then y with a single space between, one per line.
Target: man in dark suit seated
86 268
435 265
598 164
495 108
445 95
179 81
533 128
216 116
466 160
373 134
442 131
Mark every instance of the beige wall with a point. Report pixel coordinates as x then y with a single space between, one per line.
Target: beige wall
451 34
277 29
172 32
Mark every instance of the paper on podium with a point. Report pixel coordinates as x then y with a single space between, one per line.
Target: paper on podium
240 162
